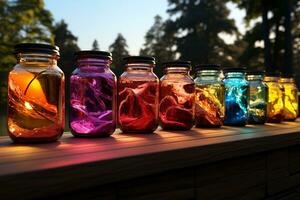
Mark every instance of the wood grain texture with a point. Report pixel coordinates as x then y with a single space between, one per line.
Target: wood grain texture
239 178
187 164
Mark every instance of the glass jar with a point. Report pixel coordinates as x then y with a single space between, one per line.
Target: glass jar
209 96
36 103
236 96
138 96
276 98
258 100
93 95
177 99
290 111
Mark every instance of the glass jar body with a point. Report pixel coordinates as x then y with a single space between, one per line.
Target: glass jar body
275 100
93 99
290 111
36 104
236 99
177 100
258 100
138 99
209 99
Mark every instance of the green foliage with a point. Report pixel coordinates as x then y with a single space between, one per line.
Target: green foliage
95 46
119 50
253 55
197 26
67 43
296 42
159 45
21 21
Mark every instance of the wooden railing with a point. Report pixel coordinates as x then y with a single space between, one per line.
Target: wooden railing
252 162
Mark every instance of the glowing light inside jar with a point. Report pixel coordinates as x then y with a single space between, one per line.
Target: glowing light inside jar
28 105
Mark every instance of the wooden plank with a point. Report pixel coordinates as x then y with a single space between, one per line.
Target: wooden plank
84 163
84 146
122 168
178 184
90 145
294 160
240 178
220 142
106 192
290 194
278 171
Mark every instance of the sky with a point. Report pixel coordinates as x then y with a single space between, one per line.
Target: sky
104 19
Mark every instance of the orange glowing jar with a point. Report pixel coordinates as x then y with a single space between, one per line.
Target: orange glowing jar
36 95
290 111
177 96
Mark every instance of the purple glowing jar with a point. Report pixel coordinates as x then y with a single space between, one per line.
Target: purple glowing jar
93 95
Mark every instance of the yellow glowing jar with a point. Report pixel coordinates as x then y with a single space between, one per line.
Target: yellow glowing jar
290 112
209 96
276 98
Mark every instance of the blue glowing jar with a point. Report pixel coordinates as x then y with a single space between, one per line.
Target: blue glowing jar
236 96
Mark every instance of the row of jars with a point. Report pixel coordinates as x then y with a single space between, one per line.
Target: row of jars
138 101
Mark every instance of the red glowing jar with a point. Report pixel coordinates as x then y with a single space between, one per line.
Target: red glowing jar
138 96
177 98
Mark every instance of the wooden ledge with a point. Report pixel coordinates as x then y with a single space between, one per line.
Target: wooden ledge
78 163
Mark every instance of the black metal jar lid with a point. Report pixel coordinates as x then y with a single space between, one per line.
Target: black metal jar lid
93 54
207 67
273 74
139 59
287 75
36 48
234 69
177 63
255 72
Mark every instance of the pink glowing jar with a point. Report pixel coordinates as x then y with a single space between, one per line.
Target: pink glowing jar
93 90
177 98
138 96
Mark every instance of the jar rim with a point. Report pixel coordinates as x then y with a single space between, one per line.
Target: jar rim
139 59
202 67
93 54
255 73
228 69
273 74
36 48
177 63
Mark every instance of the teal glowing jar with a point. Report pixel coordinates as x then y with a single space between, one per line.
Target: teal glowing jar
236 96
258 99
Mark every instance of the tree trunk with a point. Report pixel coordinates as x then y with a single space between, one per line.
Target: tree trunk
266 33
276 62
288 54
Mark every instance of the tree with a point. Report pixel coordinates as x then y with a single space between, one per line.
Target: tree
296 41
21 21
34 21
288 39
158 44
197 28
119 51
67 43
95 46
275 22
